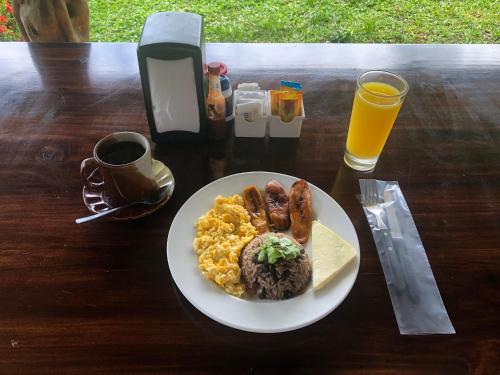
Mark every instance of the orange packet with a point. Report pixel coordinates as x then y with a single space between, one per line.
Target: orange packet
299 93
289 105
274 101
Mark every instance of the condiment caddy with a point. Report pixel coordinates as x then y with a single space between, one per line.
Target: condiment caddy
251 118
280 129
250 111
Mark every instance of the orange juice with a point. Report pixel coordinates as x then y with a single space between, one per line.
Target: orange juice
375 108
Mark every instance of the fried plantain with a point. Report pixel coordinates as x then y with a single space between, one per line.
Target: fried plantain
300 211
277 205
256 208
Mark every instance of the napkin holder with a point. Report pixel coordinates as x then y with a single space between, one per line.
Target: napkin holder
171 57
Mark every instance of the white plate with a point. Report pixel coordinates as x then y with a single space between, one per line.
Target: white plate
264 316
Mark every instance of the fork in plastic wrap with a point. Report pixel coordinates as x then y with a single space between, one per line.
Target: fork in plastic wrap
415 296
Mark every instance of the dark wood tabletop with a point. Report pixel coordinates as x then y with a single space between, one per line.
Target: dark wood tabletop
99 298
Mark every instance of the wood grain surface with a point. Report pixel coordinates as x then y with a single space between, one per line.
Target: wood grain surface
99 298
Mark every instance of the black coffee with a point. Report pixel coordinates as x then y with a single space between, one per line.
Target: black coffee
121 153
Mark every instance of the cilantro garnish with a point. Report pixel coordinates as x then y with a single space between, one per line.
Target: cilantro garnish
275 248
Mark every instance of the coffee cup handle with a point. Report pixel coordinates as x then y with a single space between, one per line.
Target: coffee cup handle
91 176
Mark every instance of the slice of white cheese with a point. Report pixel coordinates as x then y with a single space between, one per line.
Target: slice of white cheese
330 254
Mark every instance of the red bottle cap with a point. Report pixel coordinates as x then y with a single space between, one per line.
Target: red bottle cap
221 65
214 68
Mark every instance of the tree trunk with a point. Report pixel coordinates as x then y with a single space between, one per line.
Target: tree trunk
53 20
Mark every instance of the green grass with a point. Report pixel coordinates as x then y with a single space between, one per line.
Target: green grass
354 21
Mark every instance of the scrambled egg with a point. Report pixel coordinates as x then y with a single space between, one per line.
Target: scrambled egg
221 234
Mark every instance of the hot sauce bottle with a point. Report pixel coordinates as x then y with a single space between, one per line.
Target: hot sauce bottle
215 104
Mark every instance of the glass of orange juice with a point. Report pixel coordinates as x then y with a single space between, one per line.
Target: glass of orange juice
378 98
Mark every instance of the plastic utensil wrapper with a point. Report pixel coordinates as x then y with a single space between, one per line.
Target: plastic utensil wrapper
415 296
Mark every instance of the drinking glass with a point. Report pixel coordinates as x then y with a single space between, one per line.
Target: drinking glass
378 98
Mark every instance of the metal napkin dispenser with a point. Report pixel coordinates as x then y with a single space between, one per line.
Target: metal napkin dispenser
171 57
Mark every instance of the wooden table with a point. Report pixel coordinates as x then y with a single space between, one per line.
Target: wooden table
99 298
